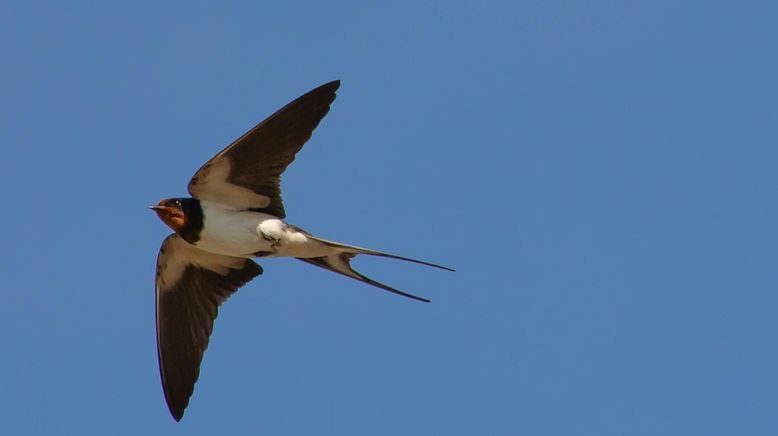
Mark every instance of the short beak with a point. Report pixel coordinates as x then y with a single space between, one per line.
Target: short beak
155 207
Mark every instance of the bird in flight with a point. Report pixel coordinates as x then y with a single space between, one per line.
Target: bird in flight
235 215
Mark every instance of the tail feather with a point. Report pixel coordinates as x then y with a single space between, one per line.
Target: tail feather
340 262
359 250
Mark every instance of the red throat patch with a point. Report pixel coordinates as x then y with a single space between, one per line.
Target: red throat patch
171 216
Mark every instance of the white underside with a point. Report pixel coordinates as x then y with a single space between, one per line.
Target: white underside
246 233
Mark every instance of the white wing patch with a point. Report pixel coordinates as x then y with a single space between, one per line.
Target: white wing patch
176 254
212 185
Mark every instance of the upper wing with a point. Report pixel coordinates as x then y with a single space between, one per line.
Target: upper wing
190 286
246 174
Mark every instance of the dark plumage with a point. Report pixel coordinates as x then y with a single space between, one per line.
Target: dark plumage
235 214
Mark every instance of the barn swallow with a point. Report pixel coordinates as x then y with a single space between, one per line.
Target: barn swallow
235 214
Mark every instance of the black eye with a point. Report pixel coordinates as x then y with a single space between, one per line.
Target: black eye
177 202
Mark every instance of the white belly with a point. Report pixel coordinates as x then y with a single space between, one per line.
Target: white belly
232 233
249 234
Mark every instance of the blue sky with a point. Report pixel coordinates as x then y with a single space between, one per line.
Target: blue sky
602 175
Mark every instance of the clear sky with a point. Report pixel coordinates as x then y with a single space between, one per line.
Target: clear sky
601 174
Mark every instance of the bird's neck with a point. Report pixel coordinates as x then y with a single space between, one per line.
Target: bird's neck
193 222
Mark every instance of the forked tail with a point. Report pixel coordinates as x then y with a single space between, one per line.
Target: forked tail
340 262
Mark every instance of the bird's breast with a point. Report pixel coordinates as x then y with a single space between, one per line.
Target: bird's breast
250 234
233 233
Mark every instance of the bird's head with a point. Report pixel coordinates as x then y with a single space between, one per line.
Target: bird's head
171 212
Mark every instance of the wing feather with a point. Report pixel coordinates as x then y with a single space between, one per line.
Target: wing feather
191 284
246 174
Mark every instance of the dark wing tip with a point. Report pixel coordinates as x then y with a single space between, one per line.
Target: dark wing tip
327 89
176 401
334 85
177 412
324 93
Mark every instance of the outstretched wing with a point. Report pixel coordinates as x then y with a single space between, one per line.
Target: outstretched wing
246 174
190 286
